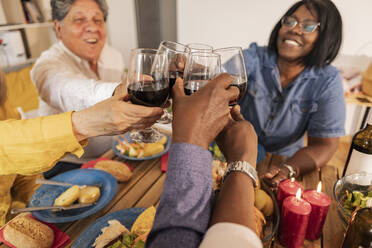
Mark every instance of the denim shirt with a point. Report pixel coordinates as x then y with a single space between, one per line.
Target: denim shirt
314 103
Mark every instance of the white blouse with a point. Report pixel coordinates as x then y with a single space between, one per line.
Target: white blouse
65 82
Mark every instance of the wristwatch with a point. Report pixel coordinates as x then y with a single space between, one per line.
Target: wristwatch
242 166
292 172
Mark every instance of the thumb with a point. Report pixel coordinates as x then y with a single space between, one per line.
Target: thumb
178 90
235 113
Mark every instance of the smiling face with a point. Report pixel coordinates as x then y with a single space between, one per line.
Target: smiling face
293 45
83 30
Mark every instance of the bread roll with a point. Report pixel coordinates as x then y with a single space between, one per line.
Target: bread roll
118 169
26 232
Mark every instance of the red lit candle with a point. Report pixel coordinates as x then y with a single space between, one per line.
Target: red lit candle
319 202
287 188
295 216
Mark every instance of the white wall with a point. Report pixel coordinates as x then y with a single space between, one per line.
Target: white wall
121 26
240 22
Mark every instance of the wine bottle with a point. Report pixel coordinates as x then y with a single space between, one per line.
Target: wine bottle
359 231
360 154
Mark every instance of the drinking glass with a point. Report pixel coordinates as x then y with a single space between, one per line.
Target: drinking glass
199 47
148 85
199 70
232 62
177 55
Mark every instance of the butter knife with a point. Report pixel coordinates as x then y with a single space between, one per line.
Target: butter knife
54 208
50 182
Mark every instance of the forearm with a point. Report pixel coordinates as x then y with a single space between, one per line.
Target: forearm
235 203
186 202
312 156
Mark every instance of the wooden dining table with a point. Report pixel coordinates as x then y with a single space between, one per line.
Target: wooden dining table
145 187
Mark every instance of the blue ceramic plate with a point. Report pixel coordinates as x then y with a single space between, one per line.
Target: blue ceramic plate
126 217
46 194
127 136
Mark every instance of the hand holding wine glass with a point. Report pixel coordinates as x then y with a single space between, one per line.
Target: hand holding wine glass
198 118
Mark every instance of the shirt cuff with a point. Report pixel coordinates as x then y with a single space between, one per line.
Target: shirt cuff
226 234
65 135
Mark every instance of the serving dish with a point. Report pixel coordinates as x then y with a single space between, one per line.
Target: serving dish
46 194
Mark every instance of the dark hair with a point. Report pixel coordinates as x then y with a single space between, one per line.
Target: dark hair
329 40
60 8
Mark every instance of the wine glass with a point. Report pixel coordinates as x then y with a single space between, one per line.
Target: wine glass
232 62
199 47
199 70
177 55
148 85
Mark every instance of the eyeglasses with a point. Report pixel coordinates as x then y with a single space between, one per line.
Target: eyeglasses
306 26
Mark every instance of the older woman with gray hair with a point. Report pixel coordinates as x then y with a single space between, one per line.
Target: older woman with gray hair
81 69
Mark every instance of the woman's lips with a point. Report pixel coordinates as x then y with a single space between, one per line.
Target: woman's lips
291 42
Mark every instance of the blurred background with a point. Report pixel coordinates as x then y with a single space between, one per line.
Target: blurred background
26 30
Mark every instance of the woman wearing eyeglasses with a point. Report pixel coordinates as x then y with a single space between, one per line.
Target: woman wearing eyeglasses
293 90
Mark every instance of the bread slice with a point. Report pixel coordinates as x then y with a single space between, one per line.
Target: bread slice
118 169
26 232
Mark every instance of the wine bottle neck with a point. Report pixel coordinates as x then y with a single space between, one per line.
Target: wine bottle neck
369 119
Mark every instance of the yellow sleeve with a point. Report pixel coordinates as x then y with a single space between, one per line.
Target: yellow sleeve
34 145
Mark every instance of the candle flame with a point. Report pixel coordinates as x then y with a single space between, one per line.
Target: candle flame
292 179
298 194
319 188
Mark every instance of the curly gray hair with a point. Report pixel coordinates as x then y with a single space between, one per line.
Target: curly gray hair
60 8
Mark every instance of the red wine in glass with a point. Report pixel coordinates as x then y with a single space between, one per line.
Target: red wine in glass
151 94
241 85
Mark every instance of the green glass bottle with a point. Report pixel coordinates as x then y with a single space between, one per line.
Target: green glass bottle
359 231
360 154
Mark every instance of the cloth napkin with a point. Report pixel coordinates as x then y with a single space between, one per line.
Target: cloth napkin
91 163
60 238
164 162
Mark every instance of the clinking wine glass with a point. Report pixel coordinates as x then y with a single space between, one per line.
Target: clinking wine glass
148 85
177 55
199 47
232 62
200 68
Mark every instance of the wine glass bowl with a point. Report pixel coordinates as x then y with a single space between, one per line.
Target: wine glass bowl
177 54
147 85
232 62
199 48
199 70
355 182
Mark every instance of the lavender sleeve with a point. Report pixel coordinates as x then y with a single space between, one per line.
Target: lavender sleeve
185 205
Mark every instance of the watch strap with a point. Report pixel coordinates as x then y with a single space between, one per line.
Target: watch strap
292 172
243 166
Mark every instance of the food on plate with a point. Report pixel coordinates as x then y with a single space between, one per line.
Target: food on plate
357 199
143 223
119 170
89 194
218 171
263 202
110 234
117 236
260 222
26 232
141 150
68 197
